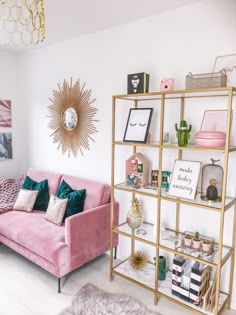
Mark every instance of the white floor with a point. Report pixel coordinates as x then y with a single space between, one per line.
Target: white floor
26 289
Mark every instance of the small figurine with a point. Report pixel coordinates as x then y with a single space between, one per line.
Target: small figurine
212 192
183 133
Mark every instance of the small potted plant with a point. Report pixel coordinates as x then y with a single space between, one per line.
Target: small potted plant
206 246
196 241
187 240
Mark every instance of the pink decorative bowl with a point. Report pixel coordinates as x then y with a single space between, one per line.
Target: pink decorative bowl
210 139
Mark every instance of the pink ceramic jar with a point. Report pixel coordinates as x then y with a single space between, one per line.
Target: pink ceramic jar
210 139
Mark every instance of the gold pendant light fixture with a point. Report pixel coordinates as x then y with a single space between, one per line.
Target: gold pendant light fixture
21 22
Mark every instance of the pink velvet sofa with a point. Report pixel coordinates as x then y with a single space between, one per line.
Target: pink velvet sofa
61 249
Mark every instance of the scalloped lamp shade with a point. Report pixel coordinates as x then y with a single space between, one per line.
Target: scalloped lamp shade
22 22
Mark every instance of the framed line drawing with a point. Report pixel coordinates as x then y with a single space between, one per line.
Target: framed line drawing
227 63
138 125
184 180
5 113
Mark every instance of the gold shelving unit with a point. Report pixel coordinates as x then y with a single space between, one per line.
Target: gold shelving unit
224 253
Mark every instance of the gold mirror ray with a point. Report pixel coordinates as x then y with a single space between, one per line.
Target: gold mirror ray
73 134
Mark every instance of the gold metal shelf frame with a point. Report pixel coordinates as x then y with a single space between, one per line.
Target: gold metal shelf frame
225 253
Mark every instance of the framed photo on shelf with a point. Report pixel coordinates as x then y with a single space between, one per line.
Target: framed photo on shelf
184 179
227 64
138 125
214 120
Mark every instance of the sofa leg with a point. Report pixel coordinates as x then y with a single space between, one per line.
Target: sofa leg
115 254
59 285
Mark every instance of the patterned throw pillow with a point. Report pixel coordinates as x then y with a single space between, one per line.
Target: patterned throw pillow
9 190
25 200
56 210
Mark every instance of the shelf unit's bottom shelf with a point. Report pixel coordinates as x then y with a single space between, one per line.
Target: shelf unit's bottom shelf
145 278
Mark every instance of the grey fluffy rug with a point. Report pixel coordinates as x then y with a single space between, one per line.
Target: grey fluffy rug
92 301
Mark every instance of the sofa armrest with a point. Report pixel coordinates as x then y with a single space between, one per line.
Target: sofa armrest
88 233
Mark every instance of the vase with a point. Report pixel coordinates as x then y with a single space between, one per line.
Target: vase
135 215
188 241
196 244
206 246
162 270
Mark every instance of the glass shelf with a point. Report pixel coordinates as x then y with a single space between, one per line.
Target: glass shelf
142 191
150 145
198 202
171 241
146 276
146 238
173 146
190 146
224 91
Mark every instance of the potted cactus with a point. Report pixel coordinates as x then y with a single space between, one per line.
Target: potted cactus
183 133
196 241
188 240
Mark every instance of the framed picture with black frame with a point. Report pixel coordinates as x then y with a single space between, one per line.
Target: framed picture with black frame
138 125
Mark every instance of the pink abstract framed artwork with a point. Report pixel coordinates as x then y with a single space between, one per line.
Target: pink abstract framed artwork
5 113
214 120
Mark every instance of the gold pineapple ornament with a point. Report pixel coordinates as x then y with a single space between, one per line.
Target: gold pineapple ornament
212 192
135 215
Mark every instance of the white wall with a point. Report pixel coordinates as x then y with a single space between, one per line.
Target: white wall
9 91
167 45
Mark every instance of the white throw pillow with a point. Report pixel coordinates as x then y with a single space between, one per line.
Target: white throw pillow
56 210
25 200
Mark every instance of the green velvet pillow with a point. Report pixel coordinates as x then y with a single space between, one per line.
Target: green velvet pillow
75 198
42 200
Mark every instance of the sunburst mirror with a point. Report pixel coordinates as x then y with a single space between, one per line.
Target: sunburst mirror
72 117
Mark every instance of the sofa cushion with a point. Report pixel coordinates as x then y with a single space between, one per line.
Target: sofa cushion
56 210
53 179
97 194
33 232
75 198
42 200
26 200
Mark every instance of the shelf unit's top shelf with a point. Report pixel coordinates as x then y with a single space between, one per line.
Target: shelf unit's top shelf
172 242
224 91
173 146
197 202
